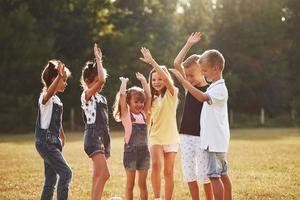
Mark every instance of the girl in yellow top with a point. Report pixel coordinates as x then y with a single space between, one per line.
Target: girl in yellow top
164 137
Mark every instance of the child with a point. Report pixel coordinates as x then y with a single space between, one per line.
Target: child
164 137
214 121
131 107
96 132
193 158
49 131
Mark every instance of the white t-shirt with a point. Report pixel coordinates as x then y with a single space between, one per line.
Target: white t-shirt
46 109
89 107
214 123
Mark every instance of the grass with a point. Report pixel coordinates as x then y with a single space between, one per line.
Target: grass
263 164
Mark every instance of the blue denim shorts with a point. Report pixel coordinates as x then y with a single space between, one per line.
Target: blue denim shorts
93 143
136 157
217 164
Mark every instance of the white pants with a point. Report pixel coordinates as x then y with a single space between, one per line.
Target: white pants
193 159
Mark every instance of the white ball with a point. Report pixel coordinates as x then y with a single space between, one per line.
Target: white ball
115 198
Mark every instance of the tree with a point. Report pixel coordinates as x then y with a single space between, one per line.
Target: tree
23 51
250 35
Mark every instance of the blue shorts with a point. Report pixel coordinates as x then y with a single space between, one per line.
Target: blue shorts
136 157
217 164
93 143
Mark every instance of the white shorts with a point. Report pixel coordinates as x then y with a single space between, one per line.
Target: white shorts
194 160
168 148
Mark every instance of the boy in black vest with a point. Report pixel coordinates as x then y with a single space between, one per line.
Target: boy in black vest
193 158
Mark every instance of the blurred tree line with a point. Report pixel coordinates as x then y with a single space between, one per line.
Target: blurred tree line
259 39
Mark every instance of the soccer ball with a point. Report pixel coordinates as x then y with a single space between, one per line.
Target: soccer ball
115 198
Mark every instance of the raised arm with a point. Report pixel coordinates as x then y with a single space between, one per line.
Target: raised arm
101 74
199 95
193 39
123 95
147 58
146 88
52 89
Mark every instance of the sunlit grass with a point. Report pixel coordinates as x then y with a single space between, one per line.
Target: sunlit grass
264 164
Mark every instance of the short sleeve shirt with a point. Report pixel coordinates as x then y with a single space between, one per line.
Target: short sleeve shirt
163 126
214 123
46 109
89 107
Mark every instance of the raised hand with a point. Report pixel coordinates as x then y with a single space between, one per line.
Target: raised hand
61 69
123 85
194 38
123 79
140 76
147 57
178 75
97 52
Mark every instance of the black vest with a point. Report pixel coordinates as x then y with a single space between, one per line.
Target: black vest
190 122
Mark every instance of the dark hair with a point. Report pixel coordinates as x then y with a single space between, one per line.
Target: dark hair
89 72
51 71
193 59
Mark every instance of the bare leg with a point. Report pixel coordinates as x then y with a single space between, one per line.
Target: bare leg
194 190
129 184
169 161
227 187
100 175
142 174
218 188
156 155
208 191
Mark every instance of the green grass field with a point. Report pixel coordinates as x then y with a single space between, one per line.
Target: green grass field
263 164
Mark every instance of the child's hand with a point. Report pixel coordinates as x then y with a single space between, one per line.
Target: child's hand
97 52
61 70
147 57
194 38
178 75
123 85
123 79
140 76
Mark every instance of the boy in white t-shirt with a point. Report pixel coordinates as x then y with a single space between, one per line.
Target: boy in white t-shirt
214 124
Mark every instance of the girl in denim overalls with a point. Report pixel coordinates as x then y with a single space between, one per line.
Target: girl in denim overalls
131 107
49 132
96 132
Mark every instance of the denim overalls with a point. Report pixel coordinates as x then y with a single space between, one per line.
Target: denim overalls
136 152
96 135
49 147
